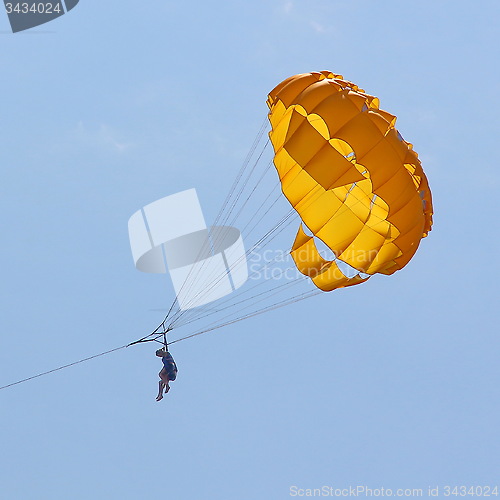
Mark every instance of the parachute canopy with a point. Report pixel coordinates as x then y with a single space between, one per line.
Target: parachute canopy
354 187
356 184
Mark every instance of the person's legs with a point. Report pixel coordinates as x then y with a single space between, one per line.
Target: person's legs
161 386
164 376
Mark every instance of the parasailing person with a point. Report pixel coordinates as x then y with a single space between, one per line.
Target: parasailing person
168 373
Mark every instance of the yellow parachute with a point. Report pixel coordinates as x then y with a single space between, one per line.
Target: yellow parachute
356 184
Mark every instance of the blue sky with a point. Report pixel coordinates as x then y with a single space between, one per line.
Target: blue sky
391 384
